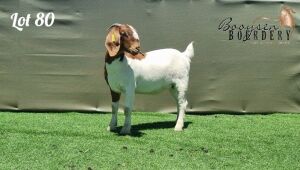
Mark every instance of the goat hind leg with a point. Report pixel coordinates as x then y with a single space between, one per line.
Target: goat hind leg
182 104
174 94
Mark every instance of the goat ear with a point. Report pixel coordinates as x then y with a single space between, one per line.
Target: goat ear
112 42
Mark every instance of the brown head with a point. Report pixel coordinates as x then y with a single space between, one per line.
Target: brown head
288 9
123 38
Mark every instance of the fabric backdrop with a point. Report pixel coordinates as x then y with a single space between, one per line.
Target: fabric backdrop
61 67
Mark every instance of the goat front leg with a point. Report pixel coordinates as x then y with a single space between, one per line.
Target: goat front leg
129 100
115 107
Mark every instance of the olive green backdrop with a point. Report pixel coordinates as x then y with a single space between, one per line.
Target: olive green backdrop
61 68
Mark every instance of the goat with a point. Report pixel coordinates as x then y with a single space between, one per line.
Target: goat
129 71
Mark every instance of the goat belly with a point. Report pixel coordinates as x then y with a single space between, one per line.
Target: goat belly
151 86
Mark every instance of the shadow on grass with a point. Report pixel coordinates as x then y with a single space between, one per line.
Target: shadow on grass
136 129
227 113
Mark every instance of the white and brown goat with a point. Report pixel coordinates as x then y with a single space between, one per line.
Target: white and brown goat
129 71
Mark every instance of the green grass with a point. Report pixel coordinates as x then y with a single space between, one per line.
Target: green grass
80 141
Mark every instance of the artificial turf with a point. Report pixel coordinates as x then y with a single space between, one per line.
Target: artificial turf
217 141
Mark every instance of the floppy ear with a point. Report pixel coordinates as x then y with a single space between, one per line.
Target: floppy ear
112 42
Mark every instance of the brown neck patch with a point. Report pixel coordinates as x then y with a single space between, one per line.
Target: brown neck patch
138 56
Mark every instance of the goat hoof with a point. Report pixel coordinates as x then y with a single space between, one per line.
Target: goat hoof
125 131
178 129
111 128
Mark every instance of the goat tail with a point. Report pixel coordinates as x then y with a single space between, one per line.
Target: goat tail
189 51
